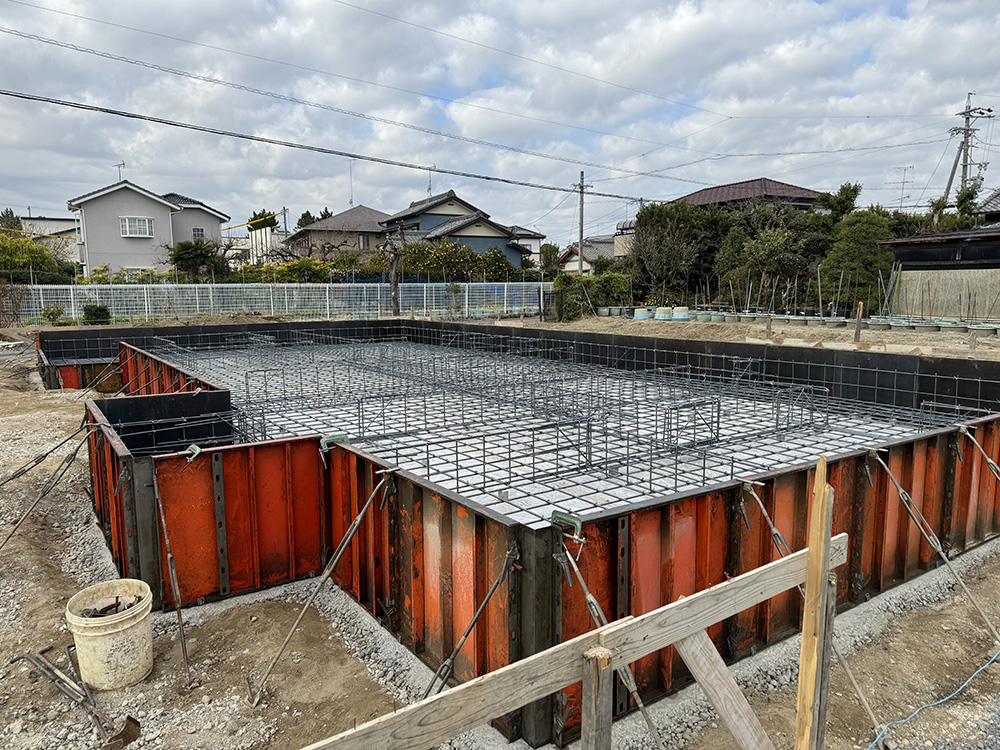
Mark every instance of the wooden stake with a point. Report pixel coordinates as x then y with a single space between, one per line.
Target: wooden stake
857 323
598 677
815 606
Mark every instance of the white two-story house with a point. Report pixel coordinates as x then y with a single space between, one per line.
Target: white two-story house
126 226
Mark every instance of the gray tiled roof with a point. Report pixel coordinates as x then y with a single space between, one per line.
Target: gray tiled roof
601 246
357 219
418 207
453 225
991 204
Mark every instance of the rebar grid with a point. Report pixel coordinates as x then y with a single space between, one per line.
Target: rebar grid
525 426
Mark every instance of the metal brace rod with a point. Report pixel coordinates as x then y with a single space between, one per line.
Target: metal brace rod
932 539
257 692
782 547
624 672
172 570
994 469
444 671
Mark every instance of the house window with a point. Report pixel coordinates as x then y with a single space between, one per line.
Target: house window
197 233
136 226
362 242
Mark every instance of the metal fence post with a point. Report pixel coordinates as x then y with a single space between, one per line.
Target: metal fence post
467 285
145 296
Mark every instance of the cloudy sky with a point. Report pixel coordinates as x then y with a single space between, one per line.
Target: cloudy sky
651 99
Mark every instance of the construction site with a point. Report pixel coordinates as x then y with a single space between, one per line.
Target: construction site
483 496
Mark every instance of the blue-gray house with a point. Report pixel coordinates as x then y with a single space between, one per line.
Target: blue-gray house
448 217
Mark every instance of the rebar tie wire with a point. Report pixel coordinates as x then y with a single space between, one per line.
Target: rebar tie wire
928 533
597 614
444 672
783 551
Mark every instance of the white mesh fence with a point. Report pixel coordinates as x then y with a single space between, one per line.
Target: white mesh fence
164 301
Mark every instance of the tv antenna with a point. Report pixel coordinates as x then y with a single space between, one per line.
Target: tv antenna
121 166
902 184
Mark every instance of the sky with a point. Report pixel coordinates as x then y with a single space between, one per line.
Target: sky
651 99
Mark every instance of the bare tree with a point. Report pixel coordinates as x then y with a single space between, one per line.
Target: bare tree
393 250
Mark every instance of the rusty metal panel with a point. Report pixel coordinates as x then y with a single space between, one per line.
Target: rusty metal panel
465 596
411 566
69 376
437 581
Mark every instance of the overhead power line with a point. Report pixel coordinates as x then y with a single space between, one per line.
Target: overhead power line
300 146
327 107
320 71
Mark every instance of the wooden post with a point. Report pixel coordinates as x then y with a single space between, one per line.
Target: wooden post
817 566
818 733
711 672
857 323
598 677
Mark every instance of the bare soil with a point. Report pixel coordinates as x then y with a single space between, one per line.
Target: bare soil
935 343
318 689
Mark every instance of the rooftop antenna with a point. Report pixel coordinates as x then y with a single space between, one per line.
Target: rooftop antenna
350 168
121 166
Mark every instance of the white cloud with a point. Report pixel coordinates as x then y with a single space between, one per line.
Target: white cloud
793 76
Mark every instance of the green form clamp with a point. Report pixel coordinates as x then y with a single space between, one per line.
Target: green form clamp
564 519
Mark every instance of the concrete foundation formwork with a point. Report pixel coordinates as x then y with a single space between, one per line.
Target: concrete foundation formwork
647 441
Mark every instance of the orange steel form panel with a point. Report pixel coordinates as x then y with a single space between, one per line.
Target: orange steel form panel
411 561
437 583
145 375
787 494
916 469
987 437
70 376
598 565
645 593
495 629
934 476
464 589
678 573
273 524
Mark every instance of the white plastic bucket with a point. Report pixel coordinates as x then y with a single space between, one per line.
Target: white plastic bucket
114 651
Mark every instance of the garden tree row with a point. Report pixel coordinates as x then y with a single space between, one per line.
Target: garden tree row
204 260
770 252
23 261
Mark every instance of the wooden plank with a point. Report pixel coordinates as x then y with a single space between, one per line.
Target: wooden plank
816 586
598 680
711 672
443 716
633 639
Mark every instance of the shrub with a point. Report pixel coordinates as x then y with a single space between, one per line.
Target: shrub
95 315
52 313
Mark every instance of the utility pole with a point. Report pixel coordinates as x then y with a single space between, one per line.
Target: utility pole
284 215
579 247
964 148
